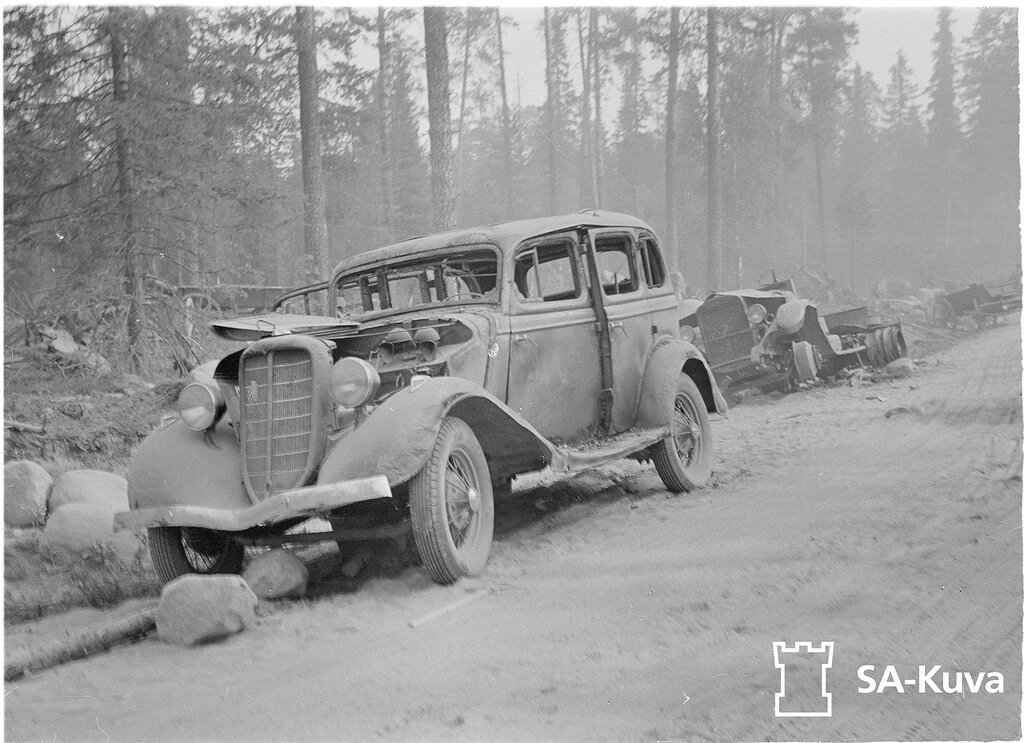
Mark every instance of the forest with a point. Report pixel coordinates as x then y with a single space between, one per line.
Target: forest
147 147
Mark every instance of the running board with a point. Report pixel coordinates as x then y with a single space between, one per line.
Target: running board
605 451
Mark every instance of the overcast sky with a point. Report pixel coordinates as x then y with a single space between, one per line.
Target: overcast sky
883 31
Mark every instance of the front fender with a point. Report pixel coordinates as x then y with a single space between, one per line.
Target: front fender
396 438
663 366
176 466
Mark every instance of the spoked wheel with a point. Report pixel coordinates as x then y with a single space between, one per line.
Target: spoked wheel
178 550
452 506
683 459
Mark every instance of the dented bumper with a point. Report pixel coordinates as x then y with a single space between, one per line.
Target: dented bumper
307 501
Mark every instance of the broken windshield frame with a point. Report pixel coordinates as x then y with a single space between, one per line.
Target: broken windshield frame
467 274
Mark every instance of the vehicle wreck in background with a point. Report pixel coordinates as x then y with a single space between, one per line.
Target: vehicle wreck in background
446 366
770 339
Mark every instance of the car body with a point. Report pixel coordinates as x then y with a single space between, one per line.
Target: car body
771 339
451 364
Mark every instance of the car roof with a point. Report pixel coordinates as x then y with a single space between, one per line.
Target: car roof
506 235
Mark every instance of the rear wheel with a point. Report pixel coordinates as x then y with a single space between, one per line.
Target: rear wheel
683 460
452 505
179 550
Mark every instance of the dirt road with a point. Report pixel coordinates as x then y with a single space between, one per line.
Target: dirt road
613 611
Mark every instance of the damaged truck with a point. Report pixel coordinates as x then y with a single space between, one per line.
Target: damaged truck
770 339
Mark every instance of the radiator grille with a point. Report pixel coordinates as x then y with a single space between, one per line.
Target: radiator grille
726 330
276 390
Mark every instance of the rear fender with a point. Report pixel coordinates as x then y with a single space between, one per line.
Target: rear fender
396 439
176 466
663 367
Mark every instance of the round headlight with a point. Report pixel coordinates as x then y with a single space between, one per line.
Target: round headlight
200 406
687 334
756 314
354 382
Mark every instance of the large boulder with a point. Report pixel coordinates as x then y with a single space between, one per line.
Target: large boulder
277 574
26 490
89 486
80 531
199 608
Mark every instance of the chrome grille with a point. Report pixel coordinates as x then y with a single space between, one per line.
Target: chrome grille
277 397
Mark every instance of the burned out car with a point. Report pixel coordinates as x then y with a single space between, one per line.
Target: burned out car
449 365
770 339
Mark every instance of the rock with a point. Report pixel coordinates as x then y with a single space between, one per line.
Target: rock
355 564
204 372
900 368
89 486
277 574
78 531
26 491
62 342
199 608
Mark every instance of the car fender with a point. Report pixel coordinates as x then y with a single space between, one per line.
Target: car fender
667 359
396 438
176 466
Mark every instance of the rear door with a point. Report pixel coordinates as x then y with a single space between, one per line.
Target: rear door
629 323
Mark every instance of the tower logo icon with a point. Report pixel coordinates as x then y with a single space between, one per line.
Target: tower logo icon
803 679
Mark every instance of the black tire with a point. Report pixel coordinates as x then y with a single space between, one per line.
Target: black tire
452 506
180 550
683 460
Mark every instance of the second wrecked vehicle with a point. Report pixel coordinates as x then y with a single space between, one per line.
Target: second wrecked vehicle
449 365
771 339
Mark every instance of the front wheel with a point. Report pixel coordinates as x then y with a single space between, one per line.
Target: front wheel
179 550
452 505
683 459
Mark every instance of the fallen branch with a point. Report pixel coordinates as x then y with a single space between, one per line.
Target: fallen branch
78 645
26 427
419 622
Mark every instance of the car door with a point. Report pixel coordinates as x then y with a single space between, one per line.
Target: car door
554 377
661 298
625 302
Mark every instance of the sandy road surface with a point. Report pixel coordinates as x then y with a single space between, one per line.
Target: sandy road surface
633 615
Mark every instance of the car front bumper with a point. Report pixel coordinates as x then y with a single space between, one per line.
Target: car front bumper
300 502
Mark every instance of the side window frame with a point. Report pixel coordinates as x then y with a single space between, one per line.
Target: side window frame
648 250
631 256
527 305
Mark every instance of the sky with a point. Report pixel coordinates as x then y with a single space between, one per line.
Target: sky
883 31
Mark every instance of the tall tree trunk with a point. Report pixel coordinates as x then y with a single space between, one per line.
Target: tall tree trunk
819 187
819 180
780 18
506 118
132 271
314 207
595 61
670 137
714 265
549 116
435 37
588 174
462 93
382 113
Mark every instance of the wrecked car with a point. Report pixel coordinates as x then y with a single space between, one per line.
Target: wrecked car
448 365
770 339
